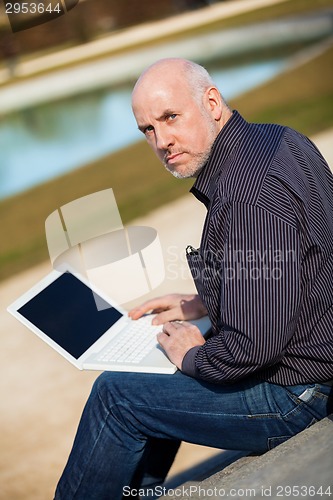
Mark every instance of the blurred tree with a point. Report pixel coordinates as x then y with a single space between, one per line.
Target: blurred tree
88 19
9 50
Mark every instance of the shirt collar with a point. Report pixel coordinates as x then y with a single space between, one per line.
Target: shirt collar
223 146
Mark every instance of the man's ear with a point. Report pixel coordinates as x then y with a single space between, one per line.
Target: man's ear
213 101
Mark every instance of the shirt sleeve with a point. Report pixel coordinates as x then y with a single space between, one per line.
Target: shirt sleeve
259 296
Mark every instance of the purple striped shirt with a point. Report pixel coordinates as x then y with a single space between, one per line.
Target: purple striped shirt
264 269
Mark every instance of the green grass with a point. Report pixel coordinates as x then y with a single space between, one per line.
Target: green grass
301 98
139 182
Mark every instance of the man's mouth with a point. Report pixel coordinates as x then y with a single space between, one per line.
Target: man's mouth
173 158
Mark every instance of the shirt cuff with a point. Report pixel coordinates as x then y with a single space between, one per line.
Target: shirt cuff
188 363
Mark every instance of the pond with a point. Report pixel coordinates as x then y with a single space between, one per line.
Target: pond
40 143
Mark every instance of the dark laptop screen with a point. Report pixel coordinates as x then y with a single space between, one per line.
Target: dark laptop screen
66 312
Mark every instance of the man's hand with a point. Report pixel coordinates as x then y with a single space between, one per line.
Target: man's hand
177 338
171 307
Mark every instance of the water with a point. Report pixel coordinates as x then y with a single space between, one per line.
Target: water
46 141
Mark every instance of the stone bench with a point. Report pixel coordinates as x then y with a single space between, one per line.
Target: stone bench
300 467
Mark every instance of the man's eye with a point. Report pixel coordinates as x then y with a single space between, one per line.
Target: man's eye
172 117
148 129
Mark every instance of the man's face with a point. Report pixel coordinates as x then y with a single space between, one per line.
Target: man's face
178 128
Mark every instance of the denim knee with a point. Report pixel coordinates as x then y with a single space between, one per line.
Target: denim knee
115 390
105 388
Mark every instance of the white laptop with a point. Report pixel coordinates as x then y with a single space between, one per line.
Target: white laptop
62 310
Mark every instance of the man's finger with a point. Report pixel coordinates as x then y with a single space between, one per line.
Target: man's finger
162 337
159 303
167 316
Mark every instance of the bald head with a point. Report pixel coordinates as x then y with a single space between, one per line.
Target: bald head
180 111
193 75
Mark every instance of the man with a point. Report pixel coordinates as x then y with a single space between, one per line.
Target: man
263 272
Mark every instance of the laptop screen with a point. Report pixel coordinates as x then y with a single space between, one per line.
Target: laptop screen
66 312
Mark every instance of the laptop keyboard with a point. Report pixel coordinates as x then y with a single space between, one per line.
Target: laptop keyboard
133 344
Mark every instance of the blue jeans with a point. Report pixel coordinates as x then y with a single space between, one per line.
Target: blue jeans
133 423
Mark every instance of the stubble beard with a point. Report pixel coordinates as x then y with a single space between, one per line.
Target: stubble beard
193 168
198 160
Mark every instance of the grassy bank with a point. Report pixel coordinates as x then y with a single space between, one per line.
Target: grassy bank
139 182
301 98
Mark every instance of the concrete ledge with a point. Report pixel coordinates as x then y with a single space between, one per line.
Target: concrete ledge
302 467
203 470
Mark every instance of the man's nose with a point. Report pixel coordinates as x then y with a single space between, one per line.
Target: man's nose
164 138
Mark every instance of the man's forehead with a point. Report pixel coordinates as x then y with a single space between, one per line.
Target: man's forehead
156 105
165 91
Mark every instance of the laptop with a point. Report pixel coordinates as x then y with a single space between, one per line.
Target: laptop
89 329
